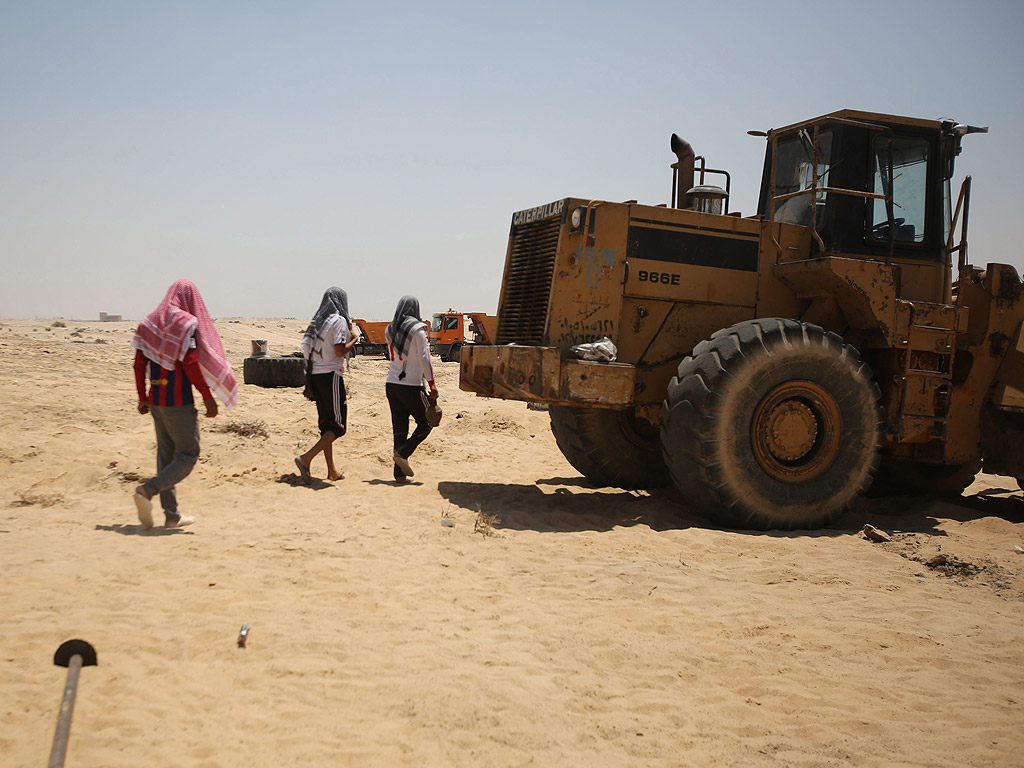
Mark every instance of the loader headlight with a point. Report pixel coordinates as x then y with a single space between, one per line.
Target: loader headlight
576 219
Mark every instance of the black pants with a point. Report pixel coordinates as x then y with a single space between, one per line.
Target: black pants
406 403
331 403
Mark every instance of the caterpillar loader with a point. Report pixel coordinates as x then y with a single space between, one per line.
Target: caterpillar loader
772 367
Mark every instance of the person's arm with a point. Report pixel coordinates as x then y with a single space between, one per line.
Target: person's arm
195 375
344 348
140 380
428 367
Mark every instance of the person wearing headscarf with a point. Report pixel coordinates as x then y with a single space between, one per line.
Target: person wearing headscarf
409 370
178 346
327 341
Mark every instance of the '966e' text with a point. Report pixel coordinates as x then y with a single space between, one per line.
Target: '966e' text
665 278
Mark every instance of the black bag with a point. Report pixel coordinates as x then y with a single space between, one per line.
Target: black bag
309 393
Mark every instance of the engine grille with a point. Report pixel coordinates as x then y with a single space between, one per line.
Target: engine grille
531 264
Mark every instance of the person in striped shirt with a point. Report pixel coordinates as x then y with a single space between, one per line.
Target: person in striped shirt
178 347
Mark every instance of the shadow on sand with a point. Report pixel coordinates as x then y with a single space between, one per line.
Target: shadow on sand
575 505
138 530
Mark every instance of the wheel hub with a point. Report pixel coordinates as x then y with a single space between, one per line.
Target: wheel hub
790 430
796 431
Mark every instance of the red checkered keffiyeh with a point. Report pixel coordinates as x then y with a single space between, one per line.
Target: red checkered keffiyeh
164 338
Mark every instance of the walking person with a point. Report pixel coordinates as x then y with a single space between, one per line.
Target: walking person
179 347
328 340
410 368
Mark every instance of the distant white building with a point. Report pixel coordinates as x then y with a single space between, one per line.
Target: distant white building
105 318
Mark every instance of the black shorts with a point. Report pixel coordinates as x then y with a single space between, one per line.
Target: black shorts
331 403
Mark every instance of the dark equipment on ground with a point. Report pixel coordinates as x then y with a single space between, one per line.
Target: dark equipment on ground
267 371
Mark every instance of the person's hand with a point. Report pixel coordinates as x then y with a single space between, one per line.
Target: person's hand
143 406
433 394
211 407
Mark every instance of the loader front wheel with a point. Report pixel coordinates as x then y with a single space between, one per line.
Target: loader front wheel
610 447
772 423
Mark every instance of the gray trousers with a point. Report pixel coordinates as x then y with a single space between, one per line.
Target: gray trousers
177 450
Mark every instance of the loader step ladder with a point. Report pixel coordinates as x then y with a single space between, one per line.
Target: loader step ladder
925 342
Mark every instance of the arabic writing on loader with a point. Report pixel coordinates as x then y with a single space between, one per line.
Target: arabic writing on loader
776 366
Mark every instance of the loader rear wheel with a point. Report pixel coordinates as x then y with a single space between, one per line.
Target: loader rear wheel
772 423
610 447
895 478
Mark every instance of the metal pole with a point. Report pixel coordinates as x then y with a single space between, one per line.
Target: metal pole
73 654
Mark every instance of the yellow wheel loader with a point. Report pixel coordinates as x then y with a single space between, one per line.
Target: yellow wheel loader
772 367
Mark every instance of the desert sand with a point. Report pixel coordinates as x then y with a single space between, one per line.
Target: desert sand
498 611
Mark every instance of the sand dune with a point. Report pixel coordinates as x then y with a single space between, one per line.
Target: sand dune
550 624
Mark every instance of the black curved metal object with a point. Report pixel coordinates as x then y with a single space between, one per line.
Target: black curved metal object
73 654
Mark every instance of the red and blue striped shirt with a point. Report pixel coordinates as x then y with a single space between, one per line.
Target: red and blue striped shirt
170 387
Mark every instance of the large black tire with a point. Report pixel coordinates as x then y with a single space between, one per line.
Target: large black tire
895 478
610 447
455 353
274 371
772 423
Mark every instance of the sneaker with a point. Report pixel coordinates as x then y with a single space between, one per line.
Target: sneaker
144 507
403 464
177 521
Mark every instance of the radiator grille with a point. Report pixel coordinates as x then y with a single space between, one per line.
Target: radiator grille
524 306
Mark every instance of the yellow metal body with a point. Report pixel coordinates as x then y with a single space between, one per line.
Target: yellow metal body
579 270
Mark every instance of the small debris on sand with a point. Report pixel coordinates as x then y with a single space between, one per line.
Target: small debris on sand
876 534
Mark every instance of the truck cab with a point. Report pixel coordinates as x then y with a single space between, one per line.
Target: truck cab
450 331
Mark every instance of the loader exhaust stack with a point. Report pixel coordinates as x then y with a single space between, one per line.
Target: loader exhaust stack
682 172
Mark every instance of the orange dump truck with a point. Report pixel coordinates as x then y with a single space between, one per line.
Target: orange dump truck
450 331
371 341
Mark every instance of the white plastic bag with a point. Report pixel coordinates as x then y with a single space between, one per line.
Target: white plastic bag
603 350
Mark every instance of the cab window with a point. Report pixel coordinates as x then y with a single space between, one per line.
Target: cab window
451 323
794 172
909 185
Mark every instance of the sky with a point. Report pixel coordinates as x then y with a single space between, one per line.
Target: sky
267 150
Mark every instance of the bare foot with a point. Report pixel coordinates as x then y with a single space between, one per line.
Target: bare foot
336 476
303 471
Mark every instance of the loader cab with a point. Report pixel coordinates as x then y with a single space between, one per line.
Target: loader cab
871 186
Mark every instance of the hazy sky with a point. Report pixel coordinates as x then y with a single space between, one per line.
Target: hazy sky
267 150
